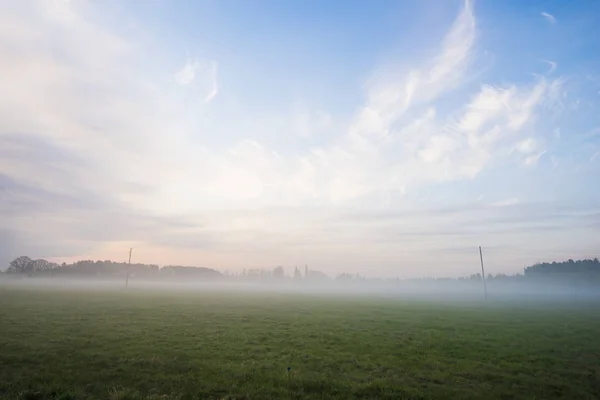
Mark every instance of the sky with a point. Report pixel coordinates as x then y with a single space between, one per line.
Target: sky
387 138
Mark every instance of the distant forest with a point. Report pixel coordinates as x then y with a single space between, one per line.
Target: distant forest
587 270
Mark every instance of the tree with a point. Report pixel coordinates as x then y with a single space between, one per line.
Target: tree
41 265
21 265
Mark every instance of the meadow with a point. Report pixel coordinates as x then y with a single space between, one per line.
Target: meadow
137 344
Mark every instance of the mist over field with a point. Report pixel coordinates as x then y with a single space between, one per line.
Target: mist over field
553 287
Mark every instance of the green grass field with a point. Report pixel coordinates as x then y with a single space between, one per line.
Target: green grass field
140 345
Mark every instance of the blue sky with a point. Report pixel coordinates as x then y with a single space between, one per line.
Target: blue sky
383 138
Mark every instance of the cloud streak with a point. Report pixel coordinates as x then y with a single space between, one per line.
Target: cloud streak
552 65
549 17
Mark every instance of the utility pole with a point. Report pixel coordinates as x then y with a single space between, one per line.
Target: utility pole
483 274
128 265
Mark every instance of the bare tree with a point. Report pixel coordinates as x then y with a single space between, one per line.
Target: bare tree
41 265
21 265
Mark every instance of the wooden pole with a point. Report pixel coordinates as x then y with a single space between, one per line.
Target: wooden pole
483 274
128 265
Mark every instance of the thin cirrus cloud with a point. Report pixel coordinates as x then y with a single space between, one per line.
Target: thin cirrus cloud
549 17
552 66
101 150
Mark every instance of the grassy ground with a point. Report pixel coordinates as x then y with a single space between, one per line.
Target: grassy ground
137 345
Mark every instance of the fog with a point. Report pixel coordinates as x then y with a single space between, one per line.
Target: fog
437 290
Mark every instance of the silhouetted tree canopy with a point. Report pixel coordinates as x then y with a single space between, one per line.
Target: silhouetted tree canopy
21 265
581 267
26 266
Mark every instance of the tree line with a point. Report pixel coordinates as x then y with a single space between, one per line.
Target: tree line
25 266
587 270
579 267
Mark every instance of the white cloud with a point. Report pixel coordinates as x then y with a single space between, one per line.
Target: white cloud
486 106
489 126
549 17
392 142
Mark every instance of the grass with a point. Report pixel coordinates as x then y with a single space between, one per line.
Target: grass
137 345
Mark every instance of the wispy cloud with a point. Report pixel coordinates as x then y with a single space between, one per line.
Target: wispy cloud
552 65
391 94
549 17
534 158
